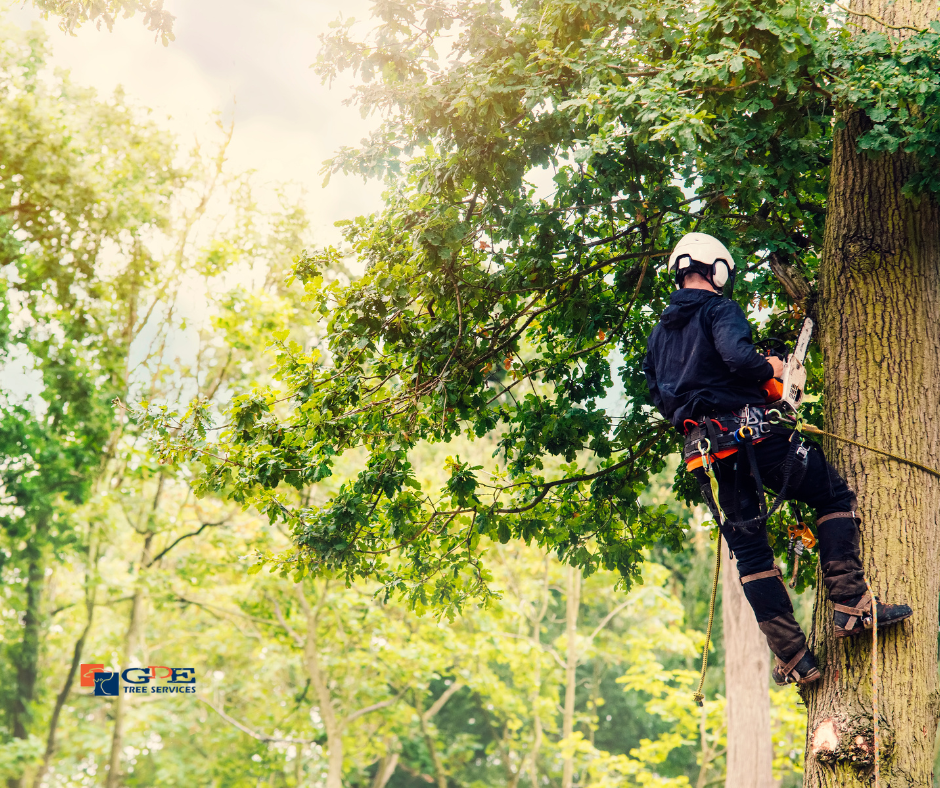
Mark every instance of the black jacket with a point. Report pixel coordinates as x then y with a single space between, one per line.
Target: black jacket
700 359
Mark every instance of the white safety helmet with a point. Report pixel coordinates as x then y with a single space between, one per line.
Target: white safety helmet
703 254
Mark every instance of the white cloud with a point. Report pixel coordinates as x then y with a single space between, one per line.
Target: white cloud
247 60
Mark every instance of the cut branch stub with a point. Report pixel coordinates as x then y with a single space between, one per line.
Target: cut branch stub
837 739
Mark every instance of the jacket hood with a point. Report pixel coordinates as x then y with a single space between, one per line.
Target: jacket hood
683 304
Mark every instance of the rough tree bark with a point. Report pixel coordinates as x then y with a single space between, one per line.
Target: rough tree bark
747 671
880 334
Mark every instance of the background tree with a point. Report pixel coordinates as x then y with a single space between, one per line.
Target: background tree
71 318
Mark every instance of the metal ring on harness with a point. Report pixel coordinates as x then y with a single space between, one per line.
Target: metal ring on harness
708 446
740 436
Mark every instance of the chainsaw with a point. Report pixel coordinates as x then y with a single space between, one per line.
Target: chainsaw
789 389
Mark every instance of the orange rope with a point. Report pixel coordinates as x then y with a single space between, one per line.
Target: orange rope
874 679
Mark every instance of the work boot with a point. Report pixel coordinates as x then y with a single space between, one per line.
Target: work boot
801 669
845 580
795 663
855 616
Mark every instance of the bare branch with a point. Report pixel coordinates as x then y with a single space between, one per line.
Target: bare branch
188 536
446 695
369 709
298 641
792 280
254 734
607 619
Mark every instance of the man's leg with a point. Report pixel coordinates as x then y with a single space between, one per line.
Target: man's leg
763 586
822 488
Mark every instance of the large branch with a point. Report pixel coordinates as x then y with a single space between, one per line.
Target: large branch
792 280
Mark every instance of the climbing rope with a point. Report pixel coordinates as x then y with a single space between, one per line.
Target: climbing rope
816 431
699 696
874 679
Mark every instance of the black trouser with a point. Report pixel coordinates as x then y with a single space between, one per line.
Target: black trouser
821 488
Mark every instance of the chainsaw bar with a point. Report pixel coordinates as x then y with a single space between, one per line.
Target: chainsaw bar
802 343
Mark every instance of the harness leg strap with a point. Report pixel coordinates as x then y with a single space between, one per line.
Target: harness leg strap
860 611
775 572
787 668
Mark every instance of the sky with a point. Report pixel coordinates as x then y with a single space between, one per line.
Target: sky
250 61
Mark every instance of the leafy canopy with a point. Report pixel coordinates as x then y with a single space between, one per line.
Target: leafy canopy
492 303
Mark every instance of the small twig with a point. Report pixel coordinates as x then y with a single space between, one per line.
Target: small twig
254 734
99 604
187 536
210 607
299 641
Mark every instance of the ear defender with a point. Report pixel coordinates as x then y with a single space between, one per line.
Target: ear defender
703 251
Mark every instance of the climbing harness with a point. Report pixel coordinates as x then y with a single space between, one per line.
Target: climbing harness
703 448
713 437
720 436
698 695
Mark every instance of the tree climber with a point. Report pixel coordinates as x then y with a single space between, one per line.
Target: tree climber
706 376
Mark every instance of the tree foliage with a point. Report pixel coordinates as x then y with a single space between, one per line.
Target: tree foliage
73 14
106 557
541 160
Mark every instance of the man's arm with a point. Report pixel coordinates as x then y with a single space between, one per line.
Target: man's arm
732 335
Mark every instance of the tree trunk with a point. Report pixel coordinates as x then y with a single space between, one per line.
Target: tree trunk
573 604
64 695
388 764
26 654
113 779
440 776
332 726
537 679
91 593
880 335
747 668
